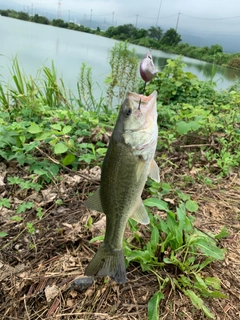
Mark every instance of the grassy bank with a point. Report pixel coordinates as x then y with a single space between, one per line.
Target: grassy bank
51 147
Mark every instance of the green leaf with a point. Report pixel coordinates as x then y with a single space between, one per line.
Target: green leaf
87 158
60 147
154 239
183 196
97 239
154 202
66 129
222 234
213 282
200 281
21 158
101 151
198 303
153 305
68 159
178 83
191 206
209 248
24 206
5 202
185 281
44 135
56 126
16 218
34 128
194 125
182 217
183 127
207 312
3 234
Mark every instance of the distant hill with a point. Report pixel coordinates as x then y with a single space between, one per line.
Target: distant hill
230 44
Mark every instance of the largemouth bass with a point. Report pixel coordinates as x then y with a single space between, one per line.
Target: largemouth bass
126 166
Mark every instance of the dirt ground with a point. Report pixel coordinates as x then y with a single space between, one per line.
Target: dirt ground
37 271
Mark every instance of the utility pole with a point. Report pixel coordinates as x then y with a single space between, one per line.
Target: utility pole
136 20
158 13
59 9
68 16
178 20
104 23
113 18
90 19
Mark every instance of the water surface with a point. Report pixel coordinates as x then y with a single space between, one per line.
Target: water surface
37 45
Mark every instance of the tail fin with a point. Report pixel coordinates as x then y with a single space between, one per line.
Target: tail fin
108 262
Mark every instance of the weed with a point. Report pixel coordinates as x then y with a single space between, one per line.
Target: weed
176 242
4 202
84 86
124 64
3 234
30 228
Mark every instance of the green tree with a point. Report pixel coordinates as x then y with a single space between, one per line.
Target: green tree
40 19
110 32
59 23
124 32
171 38
155 33
215 48
4 13
141 33
23 16
71 25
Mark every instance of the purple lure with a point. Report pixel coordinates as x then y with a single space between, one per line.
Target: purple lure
147 68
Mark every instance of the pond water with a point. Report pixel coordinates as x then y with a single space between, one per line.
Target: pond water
36 45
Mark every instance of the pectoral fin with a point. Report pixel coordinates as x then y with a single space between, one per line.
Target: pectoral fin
154 171
94 202
140 214
139 169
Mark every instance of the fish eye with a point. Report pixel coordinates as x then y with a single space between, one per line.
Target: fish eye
127 111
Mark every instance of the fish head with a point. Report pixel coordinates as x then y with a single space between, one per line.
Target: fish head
138 115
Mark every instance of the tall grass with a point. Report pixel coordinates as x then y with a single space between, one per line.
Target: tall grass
27 92
47 89
123 77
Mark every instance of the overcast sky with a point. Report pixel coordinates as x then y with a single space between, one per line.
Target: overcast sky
196 17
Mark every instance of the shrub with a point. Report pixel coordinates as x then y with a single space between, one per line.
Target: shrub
234 63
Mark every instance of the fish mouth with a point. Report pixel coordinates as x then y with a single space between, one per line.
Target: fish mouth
144 105
147 102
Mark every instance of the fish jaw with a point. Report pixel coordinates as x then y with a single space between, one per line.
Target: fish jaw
141 130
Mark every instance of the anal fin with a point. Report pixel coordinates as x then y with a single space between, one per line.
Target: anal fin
94 201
